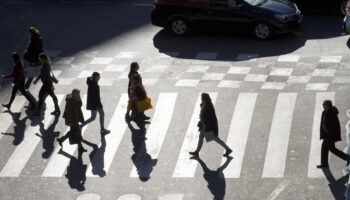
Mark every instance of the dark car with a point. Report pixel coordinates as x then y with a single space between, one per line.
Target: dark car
262 18
322 6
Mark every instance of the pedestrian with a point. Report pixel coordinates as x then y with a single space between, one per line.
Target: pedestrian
138 103
73 115
18 82
47 87
330 134
208 125
94 102
34 49
134 67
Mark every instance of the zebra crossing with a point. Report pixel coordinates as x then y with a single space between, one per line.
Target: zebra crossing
237 136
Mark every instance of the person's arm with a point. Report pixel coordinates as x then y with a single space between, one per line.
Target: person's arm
15 69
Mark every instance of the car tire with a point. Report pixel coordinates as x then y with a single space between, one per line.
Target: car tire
178 26
262 30
341 8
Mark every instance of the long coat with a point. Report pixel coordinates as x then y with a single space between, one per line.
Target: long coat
93 95
34 48
208 118
72 112
330 126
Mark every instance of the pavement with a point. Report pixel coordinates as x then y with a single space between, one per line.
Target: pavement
267 94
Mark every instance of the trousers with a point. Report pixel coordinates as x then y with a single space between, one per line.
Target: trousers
216 139
329 146
93 117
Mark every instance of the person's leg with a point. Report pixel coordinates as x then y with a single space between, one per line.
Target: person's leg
200 141
337 152
324 153
55 101
28 82
27 96
92 118
12 98
102 118
42 95
222 143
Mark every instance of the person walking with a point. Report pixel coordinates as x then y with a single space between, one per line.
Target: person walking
18 82
134 67
73 115
208 125
34 49
47 87
94 102
330 134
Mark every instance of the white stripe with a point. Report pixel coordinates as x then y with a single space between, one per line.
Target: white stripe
159 127
58 162
22 153
238 134
6 118
185 167
277 148
316 143
117 126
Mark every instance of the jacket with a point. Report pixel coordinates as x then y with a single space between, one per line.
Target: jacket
72 112
208 118
17 74
45 75
34 48
93 95
330 126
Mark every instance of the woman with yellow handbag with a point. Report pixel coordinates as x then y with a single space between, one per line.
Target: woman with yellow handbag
138 103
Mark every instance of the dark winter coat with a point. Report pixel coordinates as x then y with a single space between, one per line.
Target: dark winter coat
208 118
45 75
72 112
17 74
130 75
330 126
34 48
93 95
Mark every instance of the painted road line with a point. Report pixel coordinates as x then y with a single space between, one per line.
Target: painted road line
277 148
185 167
238 133
23 152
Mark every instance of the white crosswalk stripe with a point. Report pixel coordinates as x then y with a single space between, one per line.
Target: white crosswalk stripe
184 166
276 154
315 148
238 133
159 126
23 152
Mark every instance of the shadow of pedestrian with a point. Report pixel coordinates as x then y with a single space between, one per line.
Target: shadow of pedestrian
76 171
48 136
97 157
216 180
337 187
20 126
142 160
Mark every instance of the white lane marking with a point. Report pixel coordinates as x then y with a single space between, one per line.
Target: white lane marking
185 167
23 152
159 126
117 126
238 133
277 191
58 162
89 196
171 197
315 148
6 119
277 148
129 197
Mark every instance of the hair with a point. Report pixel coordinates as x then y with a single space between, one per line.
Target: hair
94 75
33 30
17 59
133 66
206 98
136 77
46 60
328 102
74 91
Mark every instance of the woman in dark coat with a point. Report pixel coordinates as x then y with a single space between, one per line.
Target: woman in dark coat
34 49
18 82
73 115
208 123
94 101
47 87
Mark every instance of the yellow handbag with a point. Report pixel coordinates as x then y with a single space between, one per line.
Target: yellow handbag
143 105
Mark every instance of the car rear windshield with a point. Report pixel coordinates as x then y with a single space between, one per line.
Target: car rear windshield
254 2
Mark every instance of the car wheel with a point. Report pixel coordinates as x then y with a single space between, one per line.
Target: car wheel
262 30
178 26
342 7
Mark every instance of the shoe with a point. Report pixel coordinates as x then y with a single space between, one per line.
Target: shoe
56 112
105 131
228 151
31 107
348 161
82 150
322 166
194 153
59 140
8 106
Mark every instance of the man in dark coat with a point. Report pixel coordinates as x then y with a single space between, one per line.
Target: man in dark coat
330 133
208 123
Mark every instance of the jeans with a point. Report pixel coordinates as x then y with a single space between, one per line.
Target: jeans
20 87
93 117
46 89
216 139
329 146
